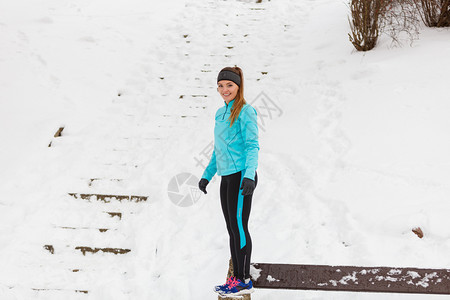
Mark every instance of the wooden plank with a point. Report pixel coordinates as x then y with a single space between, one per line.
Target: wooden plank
352 278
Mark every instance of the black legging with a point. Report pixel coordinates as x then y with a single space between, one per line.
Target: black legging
236 210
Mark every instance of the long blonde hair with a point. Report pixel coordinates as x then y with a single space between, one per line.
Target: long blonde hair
239 100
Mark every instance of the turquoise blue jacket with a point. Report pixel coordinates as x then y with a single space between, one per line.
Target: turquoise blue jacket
236 147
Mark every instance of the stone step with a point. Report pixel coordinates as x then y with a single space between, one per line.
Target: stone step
93 181
86 249
60 290
101 230
179 116
93 217
114 214
108 198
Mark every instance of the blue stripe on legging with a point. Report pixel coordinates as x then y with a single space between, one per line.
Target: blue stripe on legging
240 204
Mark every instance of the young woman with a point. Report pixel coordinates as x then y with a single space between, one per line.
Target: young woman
235 158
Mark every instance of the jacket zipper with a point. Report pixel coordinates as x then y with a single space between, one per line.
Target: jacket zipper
225 112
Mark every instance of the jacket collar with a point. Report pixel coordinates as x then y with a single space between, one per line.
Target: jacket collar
231 102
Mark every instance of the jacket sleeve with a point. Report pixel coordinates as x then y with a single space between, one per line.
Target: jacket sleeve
211 169
249 129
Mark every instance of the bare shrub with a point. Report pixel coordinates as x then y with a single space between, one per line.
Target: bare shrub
434 13
371 18
400 17
364 23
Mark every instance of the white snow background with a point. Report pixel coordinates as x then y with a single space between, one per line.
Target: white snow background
355 157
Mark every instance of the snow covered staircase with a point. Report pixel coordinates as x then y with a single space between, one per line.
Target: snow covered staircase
353 279
93 246
200 60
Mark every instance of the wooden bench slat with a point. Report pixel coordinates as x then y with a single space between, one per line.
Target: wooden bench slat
352 278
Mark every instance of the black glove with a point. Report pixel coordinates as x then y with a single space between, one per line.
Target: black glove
248 186
202 185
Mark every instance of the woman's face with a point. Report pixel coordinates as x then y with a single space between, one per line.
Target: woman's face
227 89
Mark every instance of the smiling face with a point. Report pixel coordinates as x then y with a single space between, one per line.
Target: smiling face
227 89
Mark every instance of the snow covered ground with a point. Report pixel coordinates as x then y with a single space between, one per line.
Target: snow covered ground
353 152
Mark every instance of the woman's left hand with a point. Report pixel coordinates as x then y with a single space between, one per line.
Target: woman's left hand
248 186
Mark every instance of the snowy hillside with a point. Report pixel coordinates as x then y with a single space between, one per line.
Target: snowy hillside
354 146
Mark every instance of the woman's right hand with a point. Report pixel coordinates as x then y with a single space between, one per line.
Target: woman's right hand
202 185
